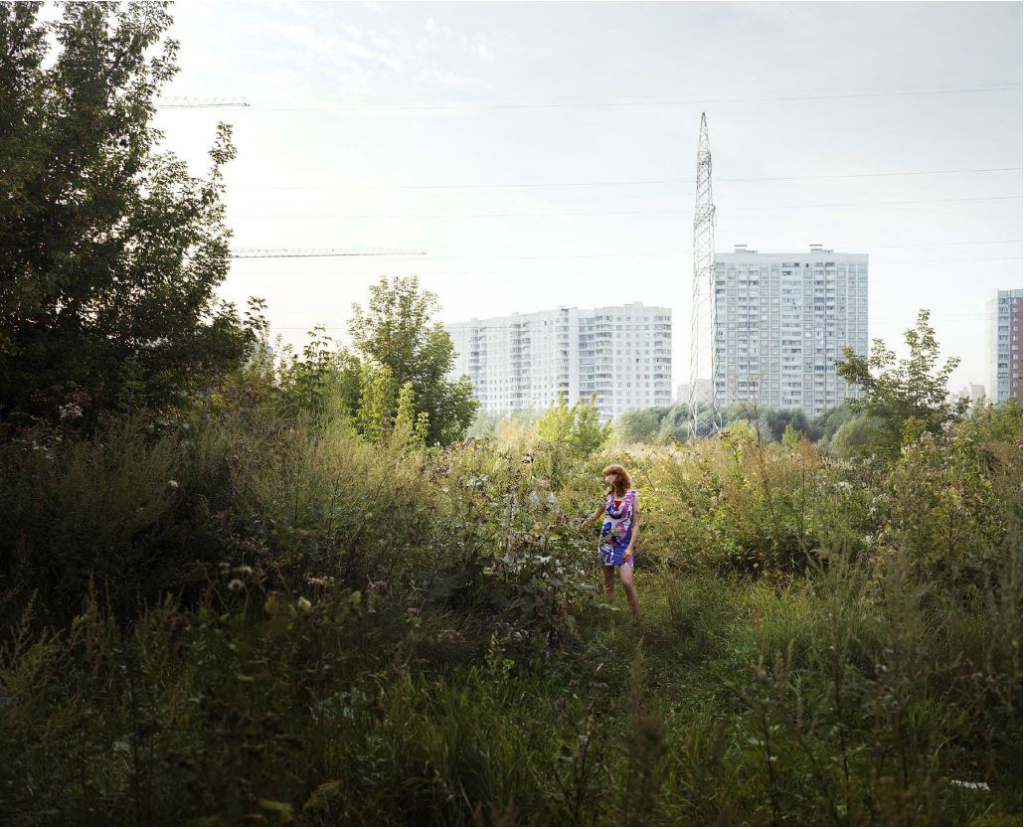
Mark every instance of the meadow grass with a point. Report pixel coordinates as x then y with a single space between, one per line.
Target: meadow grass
452 660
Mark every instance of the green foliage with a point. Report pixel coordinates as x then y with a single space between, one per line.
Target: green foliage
324 383
376 402
354 632
110 250
860 436
831 419
512 428
909 393
638 425
395 330
578 428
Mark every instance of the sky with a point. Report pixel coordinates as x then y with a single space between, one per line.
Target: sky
543 154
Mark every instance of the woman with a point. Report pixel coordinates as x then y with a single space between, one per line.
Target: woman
621 511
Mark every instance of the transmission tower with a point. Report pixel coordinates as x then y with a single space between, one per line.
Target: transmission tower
704 312
315 253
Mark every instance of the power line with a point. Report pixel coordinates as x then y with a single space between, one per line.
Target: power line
314 253
625 101
184 102
530 215
878 175
636 183
877 203
643 254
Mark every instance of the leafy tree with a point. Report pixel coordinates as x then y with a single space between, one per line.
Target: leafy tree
110 251
405 419
410 428
578 427
909 395
396 331
376 402
862 434
831 419
779 420
638 425
322 382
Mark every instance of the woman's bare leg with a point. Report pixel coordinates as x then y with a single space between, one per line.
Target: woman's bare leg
609 582
626 574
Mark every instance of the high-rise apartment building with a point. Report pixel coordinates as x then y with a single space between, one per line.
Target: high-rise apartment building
782 322
702 392
1004 341
620 354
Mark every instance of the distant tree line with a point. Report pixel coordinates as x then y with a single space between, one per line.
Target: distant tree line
902 400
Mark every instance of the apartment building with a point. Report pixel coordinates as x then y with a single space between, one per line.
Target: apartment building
620 354
1004 341
782 320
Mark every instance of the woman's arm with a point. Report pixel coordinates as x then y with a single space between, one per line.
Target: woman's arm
628 555
597 514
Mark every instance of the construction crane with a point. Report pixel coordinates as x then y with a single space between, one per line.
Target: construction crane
315 253
180 102
704 311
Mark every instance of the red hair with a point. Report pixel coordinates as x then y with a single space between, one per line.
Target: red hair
622 479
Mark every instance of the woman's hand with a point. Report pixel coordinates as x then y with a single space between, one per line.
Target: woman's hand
627 557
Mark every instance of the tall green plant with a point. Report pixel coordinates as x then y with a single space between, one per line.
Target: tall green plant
579 427
397 330
910 395
376 402
110 250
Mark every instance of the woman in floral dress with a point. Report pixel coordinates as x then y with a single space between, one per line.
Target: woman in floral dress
621 511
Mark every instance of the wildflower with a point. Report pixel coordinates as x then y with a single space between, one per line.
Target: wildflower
304 605
172 484
244 570
967 784
70 411
235 585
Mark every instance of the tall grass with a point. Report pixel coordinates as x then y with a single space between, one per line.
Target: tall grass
305 628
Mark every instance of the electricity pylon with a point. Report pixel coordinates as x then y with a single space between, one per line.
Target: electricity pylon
704 311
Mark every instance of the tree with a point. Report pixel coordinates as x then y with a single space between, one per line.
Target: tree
323 383
110 251
910 396
831 419
410 428
578 427
376 402
638 425
862 434
396 331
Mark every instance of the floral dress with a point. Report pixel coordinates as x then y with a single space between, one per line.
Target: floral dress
617 529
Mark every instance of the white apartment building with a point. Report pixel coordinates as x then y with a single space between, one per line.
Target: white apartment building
972 392
782 322
702 395
620 354
1004 312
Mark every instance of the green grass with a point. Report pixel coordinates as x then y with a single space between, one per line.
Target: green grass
721 706
453 660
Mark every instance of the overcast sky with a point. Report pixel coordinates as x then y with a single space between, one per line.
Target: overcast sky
543 154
